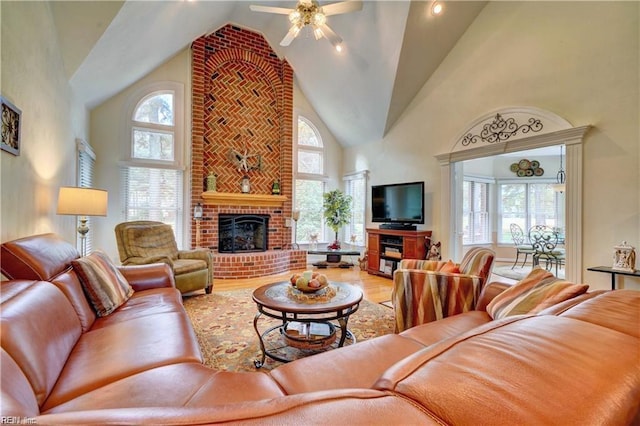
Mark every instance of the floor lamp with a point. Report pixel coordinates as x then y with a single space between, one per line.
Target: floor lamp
82 202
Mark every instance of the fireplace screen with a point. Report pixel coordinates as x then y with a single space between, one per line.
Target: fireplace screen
241 233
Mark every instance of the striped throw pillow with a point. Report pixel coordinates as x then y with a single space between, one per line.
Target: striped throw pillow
537 291
106 287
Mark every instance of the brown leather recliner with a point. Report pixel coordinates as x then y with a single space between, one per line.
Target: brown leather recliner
143 242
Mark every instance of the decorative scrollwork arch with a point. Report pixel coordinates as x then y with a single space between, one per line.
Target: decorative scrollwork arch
512 130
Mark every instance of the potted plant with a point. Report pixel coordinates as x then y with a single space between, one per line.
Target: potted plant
337 212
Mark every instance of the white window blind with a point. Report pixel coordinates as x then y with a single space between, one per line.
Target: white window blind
86 172
153 194
475 210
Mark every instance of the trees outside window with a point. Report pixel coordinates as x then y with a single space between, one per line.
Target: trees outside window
356 188
528 204
309 182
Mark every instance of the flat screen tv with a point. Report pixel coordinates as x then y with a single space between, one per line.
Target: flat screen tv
401 205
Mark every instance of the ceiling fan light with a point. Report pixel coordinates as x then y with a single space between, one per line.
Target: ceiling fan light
319 19
317 33
295 17
338 47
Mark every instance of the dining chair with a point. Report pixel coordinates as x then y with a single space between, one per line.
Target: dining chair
545 243
522 246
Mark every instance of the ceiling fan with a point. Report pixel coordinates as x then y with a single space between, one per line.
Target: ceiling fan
309 12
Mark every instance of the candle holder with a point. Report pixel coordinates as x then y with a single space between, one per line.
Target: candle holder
295 215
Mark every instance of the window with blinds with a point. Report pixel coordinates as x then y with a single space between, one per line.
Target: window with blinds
152 180
86 172
475 212
356 187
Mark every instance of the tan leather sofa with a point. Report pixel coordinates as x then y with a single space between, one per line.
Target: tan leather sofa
575 363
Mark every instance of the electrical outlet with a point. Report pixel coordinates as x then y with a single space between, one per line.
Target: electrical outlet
287 222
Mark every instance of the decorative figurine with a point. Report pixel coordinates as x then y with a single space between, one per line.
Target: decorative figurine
624 257
434 252
275 187
212 182
245 185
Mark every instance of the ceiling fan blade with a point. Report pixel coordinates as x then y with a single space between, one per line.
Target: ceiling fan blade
342 7
269 9
293 33
331 35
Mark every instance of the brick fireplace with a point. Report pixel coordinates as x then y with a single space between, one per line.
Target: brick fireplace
242 103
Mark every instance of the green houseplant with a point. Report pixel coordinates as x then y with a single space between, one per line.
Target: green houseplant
337 212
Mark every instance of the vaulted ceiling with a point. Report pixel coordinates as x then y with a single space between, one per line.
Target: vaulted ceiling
391 50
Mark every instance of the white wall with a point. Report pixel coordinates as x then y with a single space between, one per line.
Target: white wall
577 59
109 139
33 79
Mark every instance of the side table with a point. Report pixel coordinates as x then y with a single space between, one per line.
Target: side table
614 272
334 257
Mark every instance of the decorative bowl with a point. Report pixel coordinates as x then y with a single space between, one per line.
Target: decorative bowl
309 283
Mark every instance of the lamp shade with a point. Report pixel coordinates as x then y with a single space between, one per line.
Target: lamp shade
82 201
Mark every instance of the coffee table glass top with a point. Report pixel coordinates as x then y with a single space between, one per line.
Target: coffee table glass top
284 297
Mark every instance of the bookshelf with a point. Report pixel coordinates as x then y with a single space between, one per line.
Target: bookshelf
388 246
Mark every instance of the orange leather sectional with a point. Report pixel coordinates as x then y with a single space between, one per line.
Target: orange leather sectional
576 363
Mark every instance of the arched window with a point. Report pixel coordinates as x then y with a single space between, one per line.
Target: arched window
152 175
309 182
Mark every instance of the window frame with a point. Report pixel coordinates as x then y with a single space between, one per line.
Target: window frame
321 177
558 207
177 163
488 212
349 180
86 166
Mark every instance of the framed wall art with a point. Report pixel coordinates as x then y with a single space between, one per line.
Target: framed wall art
11 127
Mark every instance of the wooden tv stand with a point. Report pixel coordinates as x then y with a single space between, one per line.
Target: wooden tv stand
390 246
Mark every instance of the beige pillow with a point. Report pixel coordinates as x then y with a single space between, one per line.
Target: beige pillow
537 291
105 286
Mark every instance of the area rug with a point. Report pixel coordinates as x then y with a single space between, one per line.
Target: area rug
519 273
223 322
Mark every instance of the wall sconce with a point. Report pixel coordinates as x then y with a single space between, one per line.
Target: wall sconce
82 202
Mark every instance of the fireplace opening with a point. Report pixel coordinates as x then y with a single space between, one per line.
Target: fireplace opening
242 233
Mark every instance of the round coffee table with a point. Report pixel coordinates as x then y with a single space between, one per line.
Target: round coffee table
305 317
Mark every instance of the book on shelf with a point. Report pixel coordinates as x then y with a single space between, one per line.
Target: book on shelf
394 254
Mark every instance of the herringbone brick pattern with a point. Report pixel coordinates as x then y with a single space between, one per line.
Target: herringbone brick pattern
241 116
242 98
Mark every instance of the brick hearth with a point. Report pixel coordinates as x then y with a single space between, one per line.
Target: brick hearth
242 99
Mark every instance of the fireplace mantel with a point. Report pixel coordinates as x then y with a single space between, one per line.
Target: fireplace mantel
239 199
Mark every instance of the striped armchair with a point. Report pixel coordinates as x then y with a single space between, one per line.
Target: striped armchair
428 290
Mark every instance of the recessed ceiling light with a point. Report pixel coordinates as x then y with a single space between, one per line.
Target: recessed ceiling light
436 8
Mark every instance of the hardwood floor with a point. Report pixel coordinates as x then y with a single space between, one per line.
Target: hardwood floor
375 289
